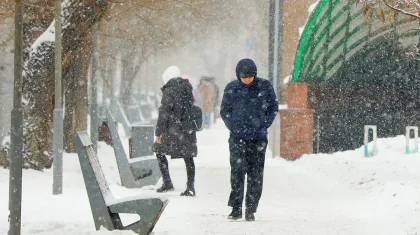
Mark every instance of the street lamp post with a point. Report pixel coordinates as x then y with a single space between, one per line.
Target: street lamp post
16 131
275 56
271 14
58 110
94 122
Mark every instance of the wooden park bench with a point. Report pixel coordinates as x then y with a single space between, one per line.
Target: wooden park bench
105 208
139 172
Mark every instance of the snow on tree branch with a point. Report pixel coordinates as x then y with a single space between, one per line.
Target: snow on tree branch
47 39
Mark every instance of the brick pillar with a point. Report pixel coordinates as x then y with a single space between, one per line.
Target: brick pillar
297 96
296 124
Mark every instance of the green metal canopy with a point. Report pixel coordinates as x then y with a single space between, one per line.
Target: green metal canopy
338 35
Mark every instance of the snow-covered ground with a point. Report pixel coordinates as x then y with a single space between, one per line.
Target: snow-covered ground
341 193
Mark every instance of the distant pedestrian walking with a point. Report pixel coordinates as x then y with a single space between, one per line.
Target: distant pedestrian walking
171 136
248 108
216 105
207 94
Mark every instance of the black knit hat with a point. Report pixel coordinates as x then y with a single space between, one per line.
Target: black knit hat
246 68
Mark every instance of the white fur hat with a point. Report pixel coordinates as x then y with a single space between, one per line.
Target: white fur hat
171 72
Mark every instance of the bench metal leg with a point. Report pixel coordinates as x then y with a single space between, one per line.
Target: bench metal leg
149 211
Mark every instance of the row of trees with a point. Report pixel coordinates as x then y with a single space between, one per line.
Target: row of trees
130 33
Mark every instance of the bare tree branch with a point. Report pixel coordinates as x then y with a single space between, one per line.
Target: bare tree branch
400 10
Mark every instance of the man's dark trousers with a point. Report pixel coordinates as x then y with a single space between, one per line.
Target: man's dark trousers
246 157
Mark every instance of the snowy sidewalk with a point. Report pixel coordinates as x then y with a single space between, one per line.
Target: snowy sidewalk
342 193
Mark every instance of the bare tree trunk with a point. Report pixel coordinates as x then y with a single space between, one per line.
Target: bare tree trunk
76 95
124 81
69 115
130 69
127 89
78 19
107 72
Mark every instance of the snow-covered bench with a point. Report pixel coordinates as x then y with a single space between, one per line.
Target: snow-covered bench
105 208
137 173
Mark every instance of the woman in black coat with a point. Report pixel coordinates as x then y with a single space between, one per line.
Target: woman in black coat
171 136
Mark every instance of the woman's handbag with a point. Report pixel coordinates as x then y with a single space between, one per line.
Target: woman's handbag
194 119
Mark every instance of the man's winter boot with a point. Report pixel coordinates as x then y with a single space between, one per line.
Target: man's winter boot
236 213
249 216
165 188
189 192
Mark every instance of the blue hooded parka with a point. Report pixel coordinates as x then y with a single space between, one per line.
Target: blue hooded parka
248 110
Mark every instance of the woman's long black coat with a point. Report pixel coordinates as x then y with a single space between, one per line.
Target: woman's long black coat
176 141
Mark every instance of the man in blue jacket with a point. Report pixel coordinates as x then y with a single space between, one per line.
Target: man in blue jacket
248 108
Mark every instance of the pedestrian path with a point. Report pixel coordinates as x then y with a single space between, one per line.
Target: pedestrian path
294 201
323 194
